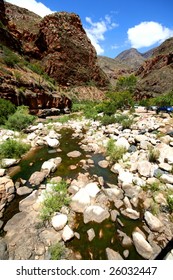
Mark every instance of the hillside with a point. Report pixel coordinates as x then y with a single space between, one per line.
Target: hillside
57 42
155 75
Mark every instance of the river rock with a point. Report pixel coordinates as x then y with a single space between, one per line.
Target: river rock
91 234
7 162
144 168
153 222
131 213
74 154
113 193
167 178
122 142
92 189
143 248
103 163
3 250
2 172
80 201
67 233
59 221
37 178
52 142
95 213
169 255
24 190
28 201
113 255
51 164
125 177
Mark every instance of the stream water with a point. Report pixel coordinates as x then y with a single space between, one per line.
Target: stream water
106 232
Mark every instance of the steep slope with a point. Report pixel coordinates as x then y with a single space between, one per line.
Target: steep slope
58 42
155 75
66 52
131 58
113 69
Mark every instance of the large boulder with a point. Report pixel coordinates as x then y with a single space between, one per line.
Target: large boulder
80 201
153 222
143 248
95 213
113 255
59 221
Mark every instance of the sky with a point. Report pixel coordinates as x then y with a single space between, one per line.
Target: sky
114 26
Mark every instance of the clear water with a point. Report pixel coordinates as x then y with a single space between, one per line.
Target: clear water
106 232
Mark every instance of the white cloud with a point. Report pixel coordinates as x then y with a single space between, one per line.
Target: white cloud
96 31
32 5
147 34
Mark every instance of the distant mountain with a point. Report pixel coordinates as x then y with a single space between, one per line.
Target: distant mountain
131 58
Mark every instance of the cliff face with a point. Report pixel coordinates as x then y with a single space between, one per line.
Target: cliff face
155 75
60 44
66 51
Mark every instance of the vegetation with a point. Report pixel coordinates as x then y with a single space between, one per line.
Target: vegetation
13 149
10 58
161 100
21 119
170 202
6 109
127 83
54 200
114 152
57 251
153 155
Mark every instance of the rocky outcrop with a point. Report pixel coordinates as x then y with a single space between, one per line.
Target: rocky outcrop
66 51
59 42
31 92
156 73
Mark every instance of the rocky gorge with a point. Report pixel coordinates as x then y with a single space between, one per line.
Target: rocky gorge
131 212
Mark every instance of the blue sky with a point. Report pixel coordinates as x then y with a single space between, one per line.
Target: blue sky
114 26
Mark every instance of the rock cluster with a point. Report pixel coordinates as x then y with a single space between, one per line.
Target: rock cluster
140 183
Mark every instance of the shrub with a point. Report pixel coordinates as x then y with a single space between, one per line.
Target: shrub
153 154
114 152
126 83
21 119
10 58
13 149
6 109
57 251
105 120
170 202
54 200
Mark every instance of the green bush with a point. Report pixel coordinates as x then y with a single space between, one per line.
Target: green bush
114 152
153 154
124 120
21 119
13 149
54 200
126 83
10 58
170 202
6 109
57 251
106 119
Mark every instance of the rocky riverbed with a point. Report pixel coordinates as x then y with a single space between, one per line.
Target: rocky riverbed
139 193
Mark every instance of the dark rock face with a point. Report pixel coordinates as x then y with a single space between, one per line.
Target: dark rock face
156 73
66 51
60 44
29 93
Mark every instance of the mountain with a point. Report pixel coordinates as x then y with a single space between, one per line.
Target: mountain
155 75
131 58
